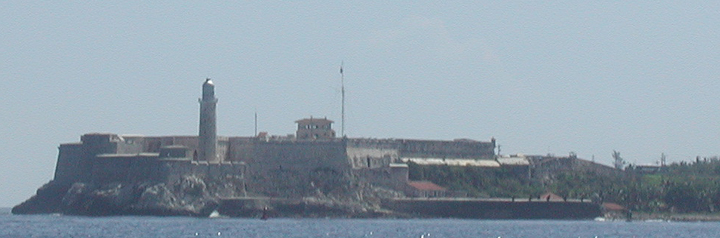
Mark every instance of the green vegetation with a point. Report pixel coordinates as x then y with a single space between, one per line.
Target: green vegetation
679 187
476 181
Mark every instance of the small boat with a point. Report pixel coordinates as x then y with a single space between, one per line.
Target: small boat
265 215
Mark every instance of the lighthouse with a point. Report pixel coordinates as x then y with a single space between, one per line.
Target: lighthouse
207 139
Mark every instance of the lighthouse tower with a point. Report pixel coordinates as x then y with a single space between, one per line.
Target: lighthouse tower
207 139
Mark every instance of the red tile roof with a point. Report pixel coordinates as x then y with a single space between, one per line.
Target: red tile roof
612 206
426 186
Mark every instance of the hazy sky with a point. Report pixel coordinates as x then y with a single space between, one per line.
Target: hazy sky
641 78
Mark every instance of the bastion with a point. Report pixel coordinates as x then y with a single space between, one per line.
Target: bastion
114 174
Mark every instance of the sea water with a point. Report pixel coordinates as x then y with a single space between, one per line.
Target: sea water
134 226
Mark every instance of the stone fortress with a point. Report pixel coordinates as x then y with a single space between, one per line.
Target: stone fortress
187 175
275 165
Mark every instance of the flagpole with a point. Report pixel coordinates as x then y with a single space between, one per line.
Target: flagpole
342 90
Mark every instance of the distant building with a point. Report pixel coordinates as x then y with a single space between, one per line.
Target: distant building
513 160
516 164
543 167
425 189
314 129
647 169
453 162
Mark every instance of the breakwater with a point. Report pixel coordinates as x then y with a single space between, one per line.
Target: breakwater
493 208
298 208
469 208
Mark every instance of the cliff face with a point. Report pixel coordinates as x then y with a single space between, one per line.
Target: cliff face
188 196
48 199
197 196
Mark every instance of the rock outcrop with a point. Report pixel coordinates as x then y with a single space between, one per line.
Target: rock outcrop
195 196
47 199
187 197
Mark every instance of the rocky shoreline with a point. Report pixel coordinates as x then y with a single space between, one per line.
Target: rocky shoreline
115 199
194 197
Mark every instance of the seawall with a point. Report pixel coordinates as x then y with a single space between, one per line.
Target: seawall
413 207
289 207
493 208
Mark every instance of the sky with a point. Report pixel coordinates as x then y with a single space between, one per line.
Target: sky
638 77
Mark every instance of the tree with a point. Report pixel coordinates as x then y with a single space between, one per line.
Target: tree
618 161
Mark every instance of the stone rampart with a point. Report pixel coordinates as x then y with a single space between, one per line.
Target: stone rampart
494 209
372 153
378 153
447 149
241 149
126 169
295 168
69 164
152 144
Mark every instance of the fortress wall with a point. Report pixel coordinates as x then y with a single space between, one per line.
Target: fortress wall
76 160
370 158
301 154
241 149
224 171
129 148
385 144
175 170
127 169
222 148
369 153
216 171
188 141
294 168
109 170
147 169
154 143
94 144
68 169
109 158
107 143
449 149
223 179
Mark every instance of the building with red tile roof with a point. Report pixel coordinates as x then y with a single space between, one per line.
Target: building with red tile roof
425 189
